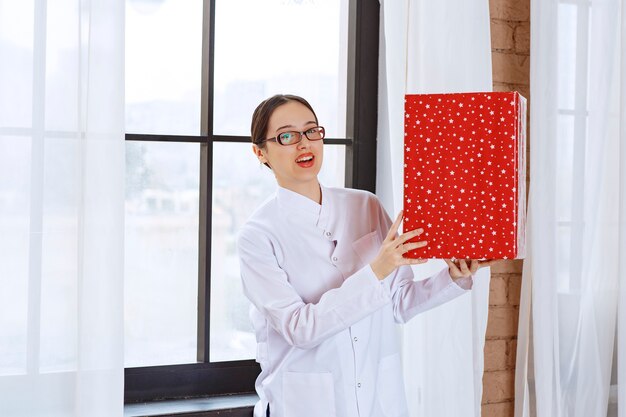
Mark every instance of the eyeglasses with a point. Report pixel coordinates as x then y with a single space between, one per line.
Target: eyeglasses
293 137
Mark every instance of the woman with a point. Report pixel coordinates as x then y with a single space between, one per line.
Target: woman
324 270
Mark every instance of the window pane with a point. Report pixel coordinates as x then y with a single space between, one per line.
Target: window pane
567 55
333 171
60 254
563 253
565 167
14 251
278 46
161 267
163 66
240 185
62 66
16 55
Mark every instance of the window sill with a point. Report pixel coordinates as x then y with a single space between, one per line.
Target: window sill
239 405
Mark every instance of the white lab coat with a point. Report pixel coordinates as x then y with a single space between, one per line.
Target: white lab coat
324 324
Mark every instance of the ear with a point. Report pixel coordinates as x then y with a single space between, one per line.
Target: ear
259 153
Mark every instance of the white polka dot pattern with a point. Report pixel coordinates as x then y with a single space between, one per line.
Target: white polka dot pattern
465 174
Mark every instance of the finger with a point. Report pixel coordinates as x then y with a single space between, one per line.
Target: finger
474 266
412 261
409 235
411 246
489 262
464 269
452 266
394 227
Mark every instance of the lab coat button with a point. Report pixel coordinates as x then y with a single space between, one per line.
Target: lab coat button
356 339
328 234
358 385
334 259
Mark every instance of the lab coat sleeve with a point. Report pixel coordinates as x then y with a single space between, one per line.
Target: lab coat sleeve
412 297
303 325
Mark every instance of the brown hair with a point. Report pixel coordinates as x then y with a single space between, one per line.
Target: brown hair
263 112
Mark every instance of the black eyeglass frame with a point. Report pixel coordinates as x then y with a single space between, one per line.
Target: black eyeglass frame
299 135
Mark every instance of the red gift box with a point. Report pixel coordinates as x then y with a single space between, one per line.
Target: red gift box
465 174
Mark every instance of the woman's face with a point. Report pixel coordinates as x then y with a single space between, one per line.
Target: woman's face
294 165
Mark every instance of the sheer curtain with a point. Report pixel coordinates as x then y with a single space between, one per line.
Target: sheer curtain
428 47
569 361
61 207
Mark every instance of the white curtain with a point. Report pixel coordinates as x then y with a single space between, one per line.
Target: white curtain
434 47
569 360
61 207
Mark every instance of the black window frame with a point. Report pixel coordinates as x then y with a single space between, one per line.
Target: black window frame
220 378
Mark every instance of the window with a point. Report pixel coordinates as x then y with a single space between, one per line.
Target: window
573 42
577 42
195 71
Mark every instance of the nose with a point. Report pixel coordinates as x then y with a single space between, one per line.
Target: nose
304 142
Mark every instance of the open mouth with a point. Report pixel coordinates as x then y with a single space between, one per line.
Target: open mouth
305 161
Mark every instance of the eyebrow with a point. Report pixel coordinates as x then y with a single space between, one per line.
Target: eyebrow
307 123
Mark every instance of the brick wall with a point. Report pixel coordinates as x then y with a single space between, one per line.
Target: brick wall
510 46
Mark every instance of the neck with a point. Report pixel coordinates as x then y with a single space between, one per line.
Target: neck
310 189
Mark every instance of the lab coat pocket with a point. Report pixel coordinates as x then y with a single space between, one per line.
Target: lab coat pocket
390 390
308 394
367 246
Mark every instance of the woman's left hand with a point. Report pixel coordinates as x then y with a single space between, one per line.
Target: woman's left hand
460 268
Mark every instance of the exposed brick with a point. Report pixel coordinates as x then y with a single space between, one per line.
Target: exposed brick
521 36
510 42
498 386
510 68
496 358
511 354
507 266
498 290
502 35
518 10
502 322
503 87
514 290
505 409
523 89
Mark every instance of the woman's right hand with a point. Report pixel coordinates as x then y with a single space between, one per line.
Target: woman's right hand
393 248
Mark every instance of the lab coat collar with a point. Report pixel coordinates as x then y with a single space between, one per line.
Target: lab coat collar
327 204
304 207
291 200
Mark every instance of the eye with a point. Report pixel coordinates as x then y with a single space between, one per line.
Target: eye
315 133
286 137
